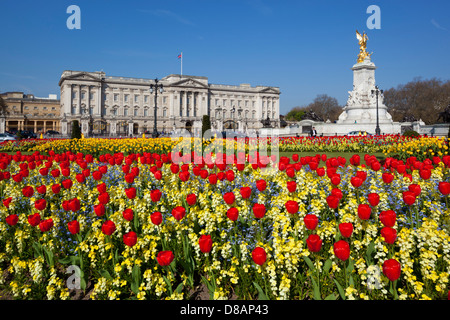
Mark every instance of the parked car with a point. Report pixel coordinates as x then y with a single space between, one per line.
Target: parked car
51 134
7 137
26 134
359 133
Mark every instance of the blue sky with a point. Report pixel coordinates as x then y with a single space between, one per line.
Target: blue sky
304 47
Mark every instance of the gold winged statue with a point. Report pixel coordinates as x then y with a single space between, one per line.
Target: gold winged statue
362 40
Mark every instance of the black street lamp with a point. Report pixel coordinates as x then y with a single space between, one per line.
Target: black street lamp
376 92
155 87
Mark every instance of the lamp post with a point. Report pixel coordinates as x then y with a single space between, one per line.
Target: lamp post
376 92
155 87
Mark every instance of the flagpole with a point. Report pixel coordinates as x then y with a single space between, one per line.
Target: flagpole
181 63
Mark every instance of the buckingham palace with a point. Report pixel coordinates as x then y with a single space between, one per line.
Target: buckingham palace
114 106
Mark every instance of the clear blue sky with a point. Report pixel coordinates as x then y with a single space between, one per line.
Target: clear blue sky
304 47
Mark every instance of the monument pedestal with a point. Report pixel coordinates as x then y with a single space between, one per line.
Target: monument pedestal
361 107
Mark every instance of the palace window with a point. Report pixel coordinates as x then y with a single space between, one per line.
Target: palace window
116 97
125 111
145 112
136 98
145 98
135 112
91 96
125 98
83 95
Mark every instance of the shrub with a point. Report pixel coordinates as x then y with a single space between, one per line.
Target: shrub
411 134
76 131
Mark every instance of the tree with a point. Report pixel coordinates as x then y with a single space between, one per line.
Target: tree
296 114
206 124
423 99
76 131
324 106
3 106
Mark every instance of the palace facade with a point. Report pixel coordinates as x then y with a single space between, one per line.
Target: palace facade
110 105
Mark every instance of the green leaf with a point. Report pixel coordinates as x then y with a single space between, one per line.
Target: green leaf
316 290
351 282
331 297
369 251
261 293
65 260
341 291
309 263
105 274
49 257
350 265
179 288
327 266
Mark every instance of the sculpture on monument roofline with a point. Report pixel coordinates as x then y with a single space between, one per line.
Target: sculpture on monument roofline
311 115
362 40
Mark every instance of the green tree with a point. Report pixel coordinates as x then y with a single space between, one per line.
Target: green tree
206 124
296 114
76 131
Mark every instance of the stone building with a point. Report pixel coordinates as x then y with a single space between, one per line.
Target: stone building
109 105
31 113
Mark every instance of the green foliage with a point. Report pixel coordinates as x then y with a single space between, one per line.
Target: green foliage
295 114
76 131
206 124
411 134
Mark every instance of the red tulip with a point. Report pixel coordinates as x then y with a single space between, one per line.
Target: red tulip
320 171
97 175
191 199
341 250
374 199
156 218
364 211
41 189
346 229
56 188
356 182
67 183
291 186
74 204
259 210
425 174
27 191
40 204
46 225
128 214
314 243
212 178
73 226
409 198
103 198
165 258
233 214
178 213
291 206
184 175
311 221
392 269
246 192
388 218
108 227
229 197
415 188
34 219
389 234
387 177
444 187
12 219
332 201
101 187
337 193
7 201
336 179
155 195
130 238
130 192
259 256
205 243
17 177
261 185
99 209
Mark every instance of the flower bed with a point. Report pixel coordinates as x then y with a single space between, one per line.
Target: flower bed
143 227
